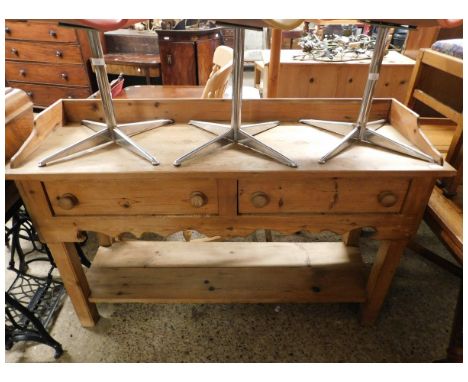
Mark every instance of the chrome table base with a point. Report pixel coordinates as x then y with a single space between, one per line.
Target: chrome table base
226 135
110 131
352 133
362 131
103 136
235 132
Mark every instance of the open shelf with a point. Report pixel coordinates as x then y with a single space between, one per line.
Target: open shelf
228 272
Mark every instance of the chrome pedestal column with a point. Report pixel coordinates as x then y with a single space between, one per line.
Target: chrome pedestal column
109 131
235 132
362 130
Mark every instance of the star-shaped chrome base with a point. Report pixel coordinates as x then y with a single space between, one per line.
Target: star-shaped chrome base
235 132
360 131
352 133
110 131
227 134
103 136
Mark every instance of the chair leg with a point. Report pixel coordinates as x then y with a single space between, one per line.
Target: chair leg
455 350
436 259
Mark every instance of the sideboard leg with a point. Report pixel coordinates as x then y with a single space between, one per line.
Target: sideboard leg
385 264
75 282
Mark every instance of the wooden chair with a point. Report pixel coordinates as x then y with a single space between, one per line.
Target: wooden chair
443 215
445 218
219 77
451 127
214 88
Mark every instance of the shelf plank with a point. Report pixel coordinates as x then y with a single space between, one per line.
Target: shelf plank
229 272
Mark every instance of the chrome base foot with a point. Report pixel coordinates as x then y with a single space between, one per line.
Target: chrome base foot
226 134
104 136
352 134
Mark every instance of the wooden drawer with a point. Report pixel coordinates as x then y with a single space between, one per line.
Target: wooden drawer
38 31
43 52
133 70
74 75
133 197
330 195
45 95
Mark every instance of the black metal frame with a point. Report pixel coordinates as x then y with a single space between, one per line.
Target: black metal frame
22 323
31 302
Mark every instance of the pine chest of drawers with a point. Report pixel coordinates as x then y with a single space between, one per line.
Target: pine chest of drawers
47 61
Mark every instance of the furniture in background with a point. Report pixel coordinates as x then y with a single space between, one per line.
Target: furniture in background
310 79
215 86
227 37
133 53
289 39
186 55
132 64
228 193
109 131
424 38
160 91
30 301
47 61
444 216
18 120
437 82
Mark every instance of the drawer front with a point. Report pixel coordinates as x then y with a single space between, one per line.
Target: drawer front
38 31
137 197
42 52
132 70
45 95
330 195
72 75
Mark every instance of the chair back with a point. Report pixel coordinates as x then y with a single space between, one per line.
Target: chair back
222 55
220 73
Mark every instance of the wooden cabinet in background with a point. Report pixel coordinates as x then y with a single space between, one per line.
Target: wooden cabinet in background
228 37
314 79
187 55
47 61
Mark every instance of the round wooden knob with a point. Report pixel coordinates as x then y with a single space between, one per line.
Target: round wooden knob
64 76
14 51
30 94
198 199
22 72
58 53
387 198
259 199
52 33
7 30
67 201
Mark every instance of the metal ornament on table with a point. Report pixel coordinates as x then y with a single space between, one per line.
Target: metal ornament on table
362 130
235 132
110 131
335 48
